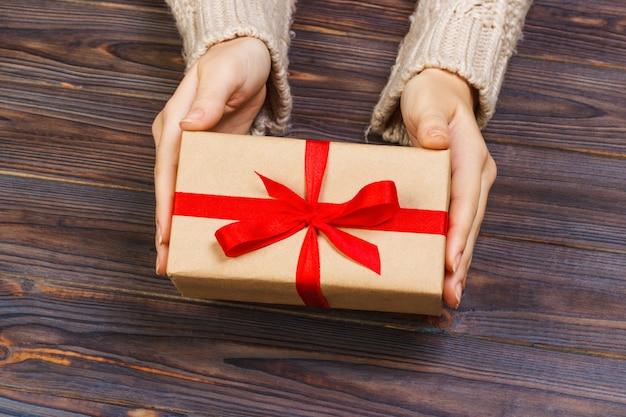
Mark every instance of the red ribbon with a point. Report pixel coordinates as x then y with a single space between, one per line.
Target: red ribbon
262 222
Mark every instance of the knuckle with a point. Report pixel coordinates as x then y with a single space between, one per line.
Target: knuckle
156 126
491 170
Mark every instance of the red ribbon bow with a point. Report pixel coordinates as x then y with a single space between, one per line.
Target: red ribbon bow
374 204
263 221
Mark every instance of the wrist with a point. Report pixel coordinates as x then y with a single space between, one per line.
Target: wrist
454 83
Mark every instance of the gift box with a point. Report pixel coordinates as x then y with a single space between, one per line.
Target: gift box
325 224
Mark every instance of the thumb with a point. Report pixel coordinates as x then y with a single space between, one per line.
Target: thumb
208 105
433 131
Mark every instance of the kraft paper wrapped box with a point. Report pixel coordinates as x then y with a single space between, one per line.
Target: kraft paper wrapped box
330 224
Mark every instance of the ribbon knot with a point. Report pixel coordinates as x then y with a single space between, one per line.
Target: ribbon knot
374 204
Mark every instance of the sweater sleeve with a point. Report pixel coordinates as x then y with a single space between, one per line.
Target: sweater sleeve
203 23
472 38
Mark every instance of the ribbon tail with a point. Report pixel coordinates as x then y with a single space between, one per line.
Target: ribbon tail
283 193
357 249
308 272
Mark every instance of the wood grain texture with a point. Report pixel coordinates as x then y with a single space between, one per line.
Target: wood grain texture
109 340
88 329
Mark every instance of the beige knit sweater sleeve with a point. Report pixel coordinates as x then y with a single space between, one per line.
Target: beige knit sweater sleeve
471 38
203 23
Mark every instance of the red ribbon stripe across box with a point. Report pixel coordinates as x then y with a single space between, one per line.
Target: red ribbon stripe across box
260 222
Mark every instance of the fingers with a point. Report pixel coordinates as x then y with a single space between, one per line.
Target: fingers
167 133
207 108
165 170
473 174
468 193
467 158
432 130
454 282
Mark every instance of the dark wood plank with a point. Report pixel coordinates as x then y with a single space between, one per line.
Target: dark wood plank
575 108
56 132
334 99
545 295
112 48
78 233
584 33
88 88
138 348
15 403
386 19
540 195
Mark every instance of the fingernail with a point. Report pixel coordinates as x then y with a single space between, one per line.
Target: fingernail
436 132
193 116
159 235
457 263
458 293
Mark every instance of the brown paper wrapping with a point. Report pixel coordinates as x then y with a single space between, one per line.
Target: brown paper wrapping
412 264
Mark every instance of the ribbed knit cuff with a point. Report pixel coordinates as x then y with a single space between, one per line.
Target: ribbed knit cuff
203 23
473 39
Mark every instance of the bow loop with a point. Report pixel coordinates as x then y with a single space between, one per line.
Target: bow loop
374 204
246 236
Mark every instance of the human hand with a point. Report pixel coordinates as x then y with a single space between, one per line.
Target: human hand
222 92
438 112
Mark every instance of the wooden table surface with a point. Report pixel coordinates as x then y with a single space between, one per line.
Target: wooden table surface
88 329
